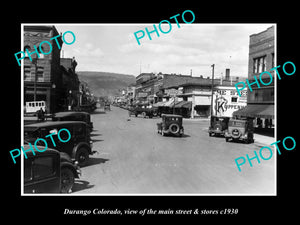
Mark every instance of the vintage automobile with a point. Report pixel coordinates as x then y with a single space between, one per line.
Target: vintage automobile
73 116
240 129
218 125
171 124
49 172
107 106
79 147
145 112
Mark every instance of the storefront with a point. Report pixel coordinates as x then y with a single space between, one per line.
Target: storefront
263 115
226 101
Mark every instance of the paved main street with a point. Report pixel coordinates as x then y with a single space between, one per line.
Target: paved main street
134 159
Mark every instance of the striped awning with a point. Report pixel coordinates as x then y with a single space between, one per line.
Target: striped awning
260 111
184 104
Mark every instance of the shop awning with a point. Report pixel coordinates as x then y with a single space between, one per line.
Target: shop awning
169 103
260 111
184 104
158 104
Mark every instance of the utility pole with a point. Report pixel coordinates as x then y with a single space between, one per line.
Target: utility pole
34 61
212 90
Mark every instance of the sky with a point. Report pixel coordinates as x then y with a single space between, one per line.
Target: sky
113 48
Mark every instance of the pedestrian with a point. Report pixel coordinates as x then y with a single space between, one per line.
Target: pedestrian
41 115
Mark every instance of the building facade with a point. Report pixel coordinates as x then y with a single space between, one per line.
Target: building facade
188 92
42 75
71 93
260 101
261 58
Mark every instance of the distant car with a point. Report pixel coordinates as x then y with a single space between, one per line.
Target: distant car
73 116
145 112
171 124
49 172
240 129
107 106
79 147
218 125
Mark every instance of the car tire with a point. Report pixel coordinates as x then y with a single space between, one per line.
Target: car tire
144 114
67 180
82 156
174 128
227 139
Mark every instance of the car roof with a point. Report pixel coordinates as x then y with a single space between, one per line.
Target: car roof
171 115
53 123
69 113
48 151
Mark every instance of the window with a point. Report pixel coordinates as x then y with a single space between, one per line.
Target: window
43 167
256 95
41 54
28 48
234 99
27 72
40 73
259 64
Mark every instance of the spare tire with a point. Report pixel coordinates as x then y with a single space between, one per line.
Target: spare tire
174 128
235 133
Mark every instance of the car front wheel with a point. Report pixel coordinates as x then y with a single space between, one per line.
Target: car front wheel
82 156
67 180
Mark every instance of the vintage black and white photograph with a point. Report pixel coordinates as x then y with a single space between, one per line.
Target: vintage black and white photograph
170 108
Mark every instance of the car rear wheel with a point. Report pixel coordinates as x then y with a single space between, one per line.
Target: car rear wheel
144 114
67 180
82 156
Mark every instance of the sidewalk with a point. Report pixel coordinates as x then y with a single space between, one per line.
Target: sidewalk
263 139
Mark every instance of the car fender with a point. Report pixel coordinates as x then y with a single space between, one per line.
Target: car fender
70 166
79 145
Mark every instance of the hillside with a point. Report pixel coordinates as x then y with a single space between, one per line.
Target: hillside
105 83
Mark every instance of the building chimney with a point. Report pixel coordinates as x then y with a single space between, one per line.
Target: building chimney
227 74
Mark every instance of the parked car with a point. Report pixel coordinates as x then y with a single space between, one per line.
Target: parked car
79 147
240 129
218 125
49 172
171 124
74 116
107 106
145 112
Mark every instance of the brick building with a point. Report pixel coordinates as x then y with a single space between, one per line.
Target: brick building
260 102
193 94
70 83
42 75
